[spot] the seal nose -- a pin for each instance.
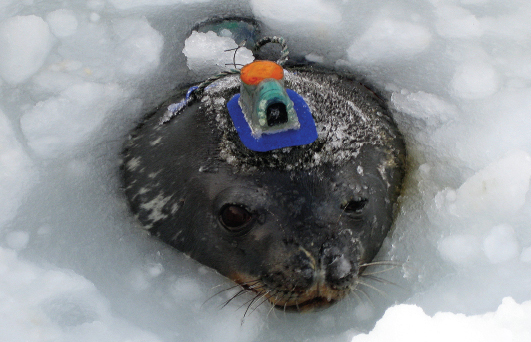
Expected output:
(340, 271)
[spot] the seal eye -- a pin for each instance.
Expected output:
(234, 217)
(355, 206)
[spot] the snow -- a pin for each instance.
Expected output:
(76, 77)
(304, 11)
(51, 133)
(501, 245)
(63, 23)
(387, 40)
(475, 80)
(499, 189)
(140, 46)
(47, 304)
(409, 323)
(25, 41)
(17, 174)
(17, 240)
(207, 54)
(128, 4)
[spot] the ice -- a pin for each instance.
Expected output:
(475, 80)
(96, 5)
(94, 17)
(63, 23)
(208, 54)
(40, 304)
(17, 174)
(298, 11)
(497, 190)
(76, 77)
(409, 323)
(387, 40)
(51, 133)
(456, 22)
(17, 240)
(526, 255)
(140, 46)
(312, 57)
(460, 249)
(128, 4)
(26, 42)
(425, 106)
(501, 245)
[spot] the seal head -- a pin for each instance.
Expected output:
(296, 225)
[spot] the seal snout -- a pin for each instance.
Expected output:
(302, 280)
(296, 273)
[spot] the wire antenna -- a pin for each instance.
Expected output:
(195, 93)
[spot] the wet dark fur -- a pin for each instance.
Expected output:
(320, 212)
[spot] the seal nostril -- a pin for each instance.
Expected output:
(340, 271)
(339, 268)
(307, 273)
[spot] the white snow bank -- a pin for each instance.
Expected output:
(63, 23)
(26, 42)
(50, 133)
(129, 4)
(425, 106)
(501, 245)
(139, 46)
(17, 174)
(48, 304)
(498, 190)
(475, 80)
(456, 22)
(409, 323)
(307, 12)
(388, 40)
(207, 55)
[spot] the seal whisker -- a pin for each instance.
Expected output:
(236, 295)
(256, 285)
(221, 291)
(272, 307)
(380, 280)
(383, 293)
(245, 287)
(367, 296)
(213, 287)
(217, 293)
(257, 297)
(378, 272)
(356, 295)
(383, 262)
(249, 301)
(262, 302)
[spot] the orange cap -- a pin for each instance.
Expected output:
(257, 71)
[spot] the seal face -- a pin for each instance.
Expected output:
(297, 225)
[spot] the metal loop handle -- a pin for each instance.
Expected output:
(284, 52)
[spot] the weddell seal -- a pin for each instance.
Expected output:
(296, 222)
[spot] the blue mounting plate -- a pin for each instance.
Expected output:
(306, 134)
